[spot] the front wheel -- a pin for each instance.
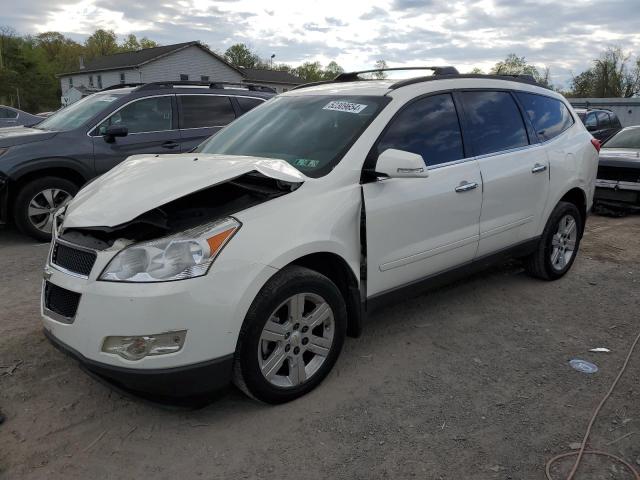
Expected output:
(291, 336)
(558, 245)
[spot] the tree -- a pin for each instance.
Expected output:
(146, 43)
(514, 65)
(332, 70)
(240, 55)
(131, 44)
(610, 76)
(310, 72)
(101, 43)
(476, 71)
(381, 64)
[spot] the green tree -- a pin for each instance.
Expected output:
(240, 55)
(514, 65)
(101, 43)
(332, 70)
(610, 76)
(130, 44)
(380, 64)
(310, 72)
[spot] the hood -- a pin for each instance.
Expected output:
(10, 136)
(142, 183)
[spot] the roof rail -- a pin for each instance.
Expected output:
(121, 85)
(528, 79)
(354, 76)
(187, 83)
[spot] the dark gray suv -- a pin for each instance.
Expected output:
(42, 168)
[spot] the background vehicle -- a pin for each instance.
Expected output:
(602, 124)
(290, 225)
(12, 117)
(43, 167)
(618, 183)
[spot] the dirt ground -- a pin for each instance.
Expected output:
(467, 382)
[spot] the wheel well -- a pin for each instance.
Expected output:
(579, 199)
(337, 270)
(66, 173)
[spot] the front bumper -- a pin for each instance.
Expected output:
(617, 192)
(159, 385)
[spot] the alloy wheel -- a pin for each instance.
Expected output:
(43, 206)
(296, 340)
(563, 242)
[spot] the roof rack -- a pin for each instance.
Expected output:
(121, 85)
(514, 78)
(249, 86)
(187, 83)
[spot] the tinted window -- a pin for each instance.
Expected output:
(495, 122)
(627, 138)
(6, 113)
(591, 120)
(147, 115)
(247, 104)
(78, 113)
(205, 111)
(312, 132)
(614, 120)
(428, 127)
(603, 119)
(549, 117)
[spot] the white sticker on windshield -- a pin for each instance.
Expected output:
(105, 98)
(340, 106)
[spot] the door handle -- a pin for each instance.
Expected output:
(466, 186)
(537, 168)
(170, 145)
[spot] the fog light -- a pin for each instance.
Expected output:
(138, 347)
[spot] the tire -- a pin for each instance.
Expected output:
(32, 194)
(549, 261)
(278, 349)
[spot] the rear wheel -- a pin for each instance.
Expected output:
(291, 337)
(558, 245)
(36, 203)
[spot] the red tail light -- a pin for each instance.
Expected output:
(596, 144)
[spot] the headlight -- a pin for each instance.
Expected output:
(183, 255)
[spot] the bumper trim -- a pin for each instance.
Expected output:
(158, 385)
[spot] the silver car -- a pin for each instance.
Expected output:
(12, 117)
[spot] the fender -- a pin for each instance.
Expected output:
(25, 168)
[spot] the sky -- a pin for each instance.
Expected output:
(564, 35)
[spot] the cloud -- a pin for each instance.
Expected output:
(564, 35)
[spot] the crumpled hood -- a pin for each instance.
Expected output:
(144, 182)
(10, 136)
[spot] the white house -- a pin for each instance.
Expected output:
(183, 61)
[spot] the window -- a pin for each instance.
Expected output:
(310, 132)
(91, 80)
(80, 112)
(549, 117)
(70, 82)
(591, 120)
(197, 111)
(100, 82)
(7, 113)
(603, 119)
(122, 78)
(495, 123)
(627, 138)
(428, 127)
(204, 78)
(183, 77)
(147, 115)
(247, 104)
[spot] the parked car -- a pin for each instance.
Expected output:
(602, 124)
(252, 257)
(12, 117)
(42, 168)
(618, 183)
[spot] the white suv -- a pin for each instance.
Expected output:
(251, 258)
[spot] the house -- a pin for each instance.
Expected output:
(182, 61)
(626, 109)
(280, 81)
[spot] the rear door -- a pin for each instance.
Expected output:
(152, 126)
(417, 227)
(515, 171)
(202, 115)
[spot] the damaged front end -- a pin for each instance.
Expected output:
(618, 185)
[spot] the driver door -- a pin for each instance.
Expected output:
(417, 227)
(152, 126)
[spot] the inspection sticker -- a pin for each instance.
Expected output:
(340, 106)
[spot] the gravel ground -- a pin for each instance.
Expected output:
(470, 381)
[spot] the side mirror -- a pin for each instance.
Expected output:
(113, 131)
(394, 163)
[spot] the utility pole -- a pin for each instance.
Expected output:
(18, 92)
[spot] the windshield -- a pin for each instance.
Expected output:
(76, 114)
(625, 139)
(312, 132)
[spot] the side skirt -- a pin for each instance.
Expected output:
(447, 276)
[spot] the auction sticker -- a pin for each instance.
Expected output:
(340, 106)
